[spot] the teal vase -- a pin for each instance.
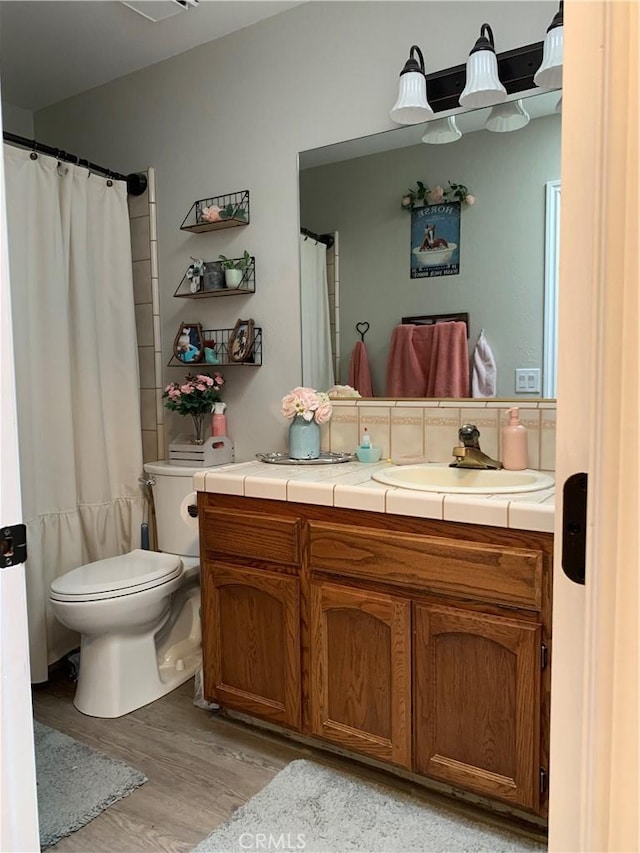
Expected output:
(304, 439)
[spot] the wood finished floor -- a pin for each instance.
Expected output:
(200, 767)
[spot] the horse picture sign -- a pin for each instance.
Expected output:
(435, 240)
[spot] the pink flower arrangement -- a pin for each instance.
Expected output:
(422, 194)
(211, 214)
(311, 404)
(195, 396)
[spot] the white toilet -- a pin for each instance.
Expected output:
(138, 614)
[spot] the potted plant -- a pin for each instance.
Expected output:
(235, 268)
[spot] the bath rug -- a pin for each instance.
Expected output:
(315, 809)
(75, 783)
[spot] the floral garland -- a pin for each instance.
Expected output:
(423, 194)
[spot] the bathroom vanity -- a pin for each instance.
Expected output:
(361, 616)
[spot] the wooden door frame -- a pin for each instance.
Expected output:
(594, 778)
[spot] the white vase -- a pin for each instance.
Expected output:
(232, 277)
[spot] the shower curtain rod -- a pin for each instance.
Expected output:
(136, 181)
(327, 239)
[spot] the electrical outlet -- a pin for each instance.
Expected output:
(527, 380)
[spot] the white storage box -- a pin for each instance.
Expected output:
(216, 450)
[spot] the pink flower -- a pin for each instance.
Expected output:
(308, 403)
(195, 396)
(470, 199)
(405, 201)
(436, 195)
(323, 412)
(211, 214)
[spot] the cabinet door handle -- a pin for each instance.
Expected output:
(574, 527)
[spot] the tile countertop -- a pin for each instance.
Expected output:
(349, 485)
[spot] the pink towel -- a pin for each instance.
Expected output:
(428, 361)
(405, 377)
(359, 373)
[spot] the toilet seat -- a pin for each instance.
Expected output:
(117, 576)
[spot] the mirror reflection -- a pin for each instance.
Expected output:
(354, 191)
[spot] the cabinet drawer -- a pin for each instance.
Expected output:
(474, 570)
(253, 536)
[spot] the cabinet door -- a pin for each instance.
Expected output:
(251, 641)
(477, 702)
(360, 671)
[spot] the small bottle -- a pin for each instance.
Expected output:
(219, 419)
(515, 449)
(366, 438)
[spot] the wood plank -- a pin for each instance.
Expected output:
(452, 566)
(269, 538)
(201, 768)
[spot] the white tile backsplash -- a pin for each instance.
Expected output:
(395, 424)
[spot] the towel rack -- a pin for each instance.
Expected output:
(362, 329)
(430, 319)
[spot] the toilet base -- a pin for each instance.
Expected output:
(121, 673)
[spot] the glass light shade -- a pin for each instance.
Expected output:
(483, 86)
(412, 106)
(549, 75)
(441, 131)
(506, 117)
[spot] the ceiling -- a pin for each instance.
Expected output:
(52, 50)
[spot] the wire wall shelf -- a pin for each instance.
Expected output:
(213, 282)
(232, 210)
(222, 339)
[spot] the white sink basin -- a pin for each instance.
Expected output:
(439, 477)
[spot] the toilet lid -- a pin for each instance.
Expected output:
(115, 576)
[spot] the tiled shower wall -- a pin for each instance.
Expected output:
(333, 288)
(428, 430)
(144, 248)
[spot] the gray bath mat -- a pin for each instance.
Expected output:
(75, 783)
(315, 809)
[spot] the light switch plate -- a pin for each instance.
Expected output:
(527, 380)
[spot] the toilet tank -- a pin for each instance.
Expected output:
(172, 495)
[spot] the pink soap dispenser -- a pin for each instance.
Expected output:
(219, 419)
(515, 448)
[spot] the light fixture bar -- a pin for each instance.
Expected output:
(515, 67)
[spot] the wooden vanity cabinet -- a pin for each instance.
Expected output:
(251, 613)
(477, 702)
(421, 644)
(360, 651)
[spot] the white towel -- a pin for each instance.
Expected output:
(483, 371)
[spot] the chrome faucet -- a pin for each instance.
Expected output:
(468, 453)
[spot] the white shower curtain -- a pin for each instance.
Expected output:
(317, 361)
(76, 377)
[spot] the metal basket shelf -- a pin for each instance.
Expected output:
(234, 211)
(221, 337)
(247, 282)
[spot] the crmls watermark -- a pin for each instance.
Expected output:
(285, 841)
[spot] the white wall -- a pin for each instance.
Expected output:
(501, 278)
(17, 120)
(232, 115)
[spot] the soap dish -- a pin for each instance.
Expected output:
(368, 454)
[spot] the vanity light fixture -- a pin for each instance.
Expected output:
(412, 106)
(442, 130)
(483, 87)
(506, 117)
(549, 74)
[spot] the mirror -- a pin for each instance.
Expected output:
(354, 189)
